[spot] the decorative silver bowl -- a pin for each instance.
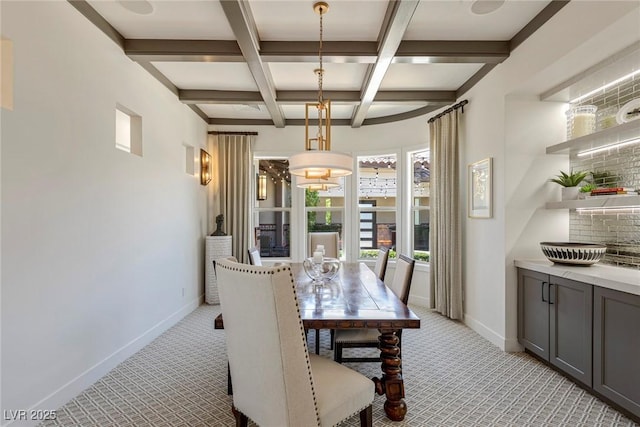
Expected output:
(321, 272)
(573, 253)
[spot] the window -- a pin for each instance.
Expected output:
(128, 131)
(389, 209)
(324, 211)
(272, 218)
(377, 186)
(420, 204)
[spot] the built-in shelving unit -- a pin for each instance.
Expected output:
(612, 135)
(619, 73)
(599, 202)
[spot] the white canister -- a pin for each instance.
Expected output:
(581, 121)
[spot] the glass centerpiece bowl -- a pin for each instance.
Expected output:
(321, 271)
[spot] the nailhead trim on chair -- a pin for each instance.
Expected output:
(271, 270)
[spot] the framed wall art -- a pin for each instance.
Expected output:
(479, 189)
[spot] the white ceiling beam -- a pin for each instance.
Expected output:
(241, 21)
(399, 15)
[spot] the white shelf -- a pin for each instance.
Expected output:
(597, 203)
(612, 68)
(598, 139)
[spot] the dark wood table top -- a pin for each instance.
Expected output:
(356, 298)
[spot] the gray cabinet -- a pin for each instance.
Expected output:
(533, 312)
(555, 321)
(616, 355)
(570, 339)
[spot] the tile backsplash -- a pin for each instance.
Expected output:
(619, 229)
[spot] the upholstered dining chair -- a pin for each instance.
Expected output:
(276, 382)
(330, 240)
(381, 263)
(254, 256)
(351, 338)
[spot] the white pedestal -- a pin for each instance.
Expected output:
(216, 247)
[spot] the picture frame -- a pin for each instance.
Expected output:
(480, 197)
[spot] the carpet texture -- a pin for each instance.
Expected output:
(453, 377)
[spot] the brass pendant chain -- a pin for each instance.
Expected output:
(321, 71)
(321, 141)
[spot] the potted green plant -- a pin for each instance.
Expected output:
(586, 189)
(569, 182)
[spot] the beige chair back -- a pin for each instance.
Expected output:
(254, 256)
(381, 263)
(401, 284)
(330, 240)
(264, 335)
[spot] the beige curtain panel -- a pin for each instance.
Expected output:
(234, 155)
(445, 238)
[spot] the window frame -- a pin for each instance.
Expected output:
(357, 209)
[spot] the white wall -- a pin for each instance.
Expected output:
(506, 122)
(98, 245)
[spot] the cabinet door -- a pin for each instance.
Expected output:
(570, 337)
(533, 312)
(616, 347)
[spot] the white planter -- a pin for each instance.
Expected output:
(570, 193)
(216, 247)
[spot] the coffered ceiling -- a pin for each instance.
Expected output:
(251, 62)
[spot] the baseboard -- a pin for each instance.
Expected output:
(74, 387)
(419, 301)
(489, 334)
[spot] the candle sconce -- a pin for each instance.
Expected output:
(205, 167)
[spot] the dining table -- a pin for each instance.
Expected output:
(357, 298)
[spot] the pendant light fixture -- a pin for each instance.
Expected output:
(318, 165)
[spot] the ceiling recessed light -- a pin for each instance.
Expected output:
(140, 7)
(483, 7)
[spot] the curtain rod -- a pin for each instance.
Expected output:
(215, 132)
(460, 104)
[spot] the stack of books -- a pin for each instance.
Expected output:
(613, 191)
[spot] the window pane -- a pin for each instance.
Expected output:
(421, 178)
(420, 200)
(377, 230)
(325, 211)
(377, 180)
(272, 234)
(331, 197)
(278, 188)
(377, 189)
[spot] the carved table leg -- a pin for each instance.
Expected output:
(391, 384)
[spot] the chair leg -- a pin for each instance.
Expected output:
(333, 337)
(366, 417)
(317, 341)
(337, 352)
(242, 420)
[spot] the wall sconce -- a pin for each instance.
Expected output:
(261, 189)
(205, 167)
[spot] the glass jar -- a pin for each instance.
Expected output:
(606, 117)
(581, 121)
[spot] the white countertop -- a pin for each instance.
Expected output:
(603, 275)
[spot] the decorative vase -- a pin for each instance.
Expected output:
(570, 193)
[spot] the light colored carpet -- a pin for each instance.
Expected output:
(453, 377)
